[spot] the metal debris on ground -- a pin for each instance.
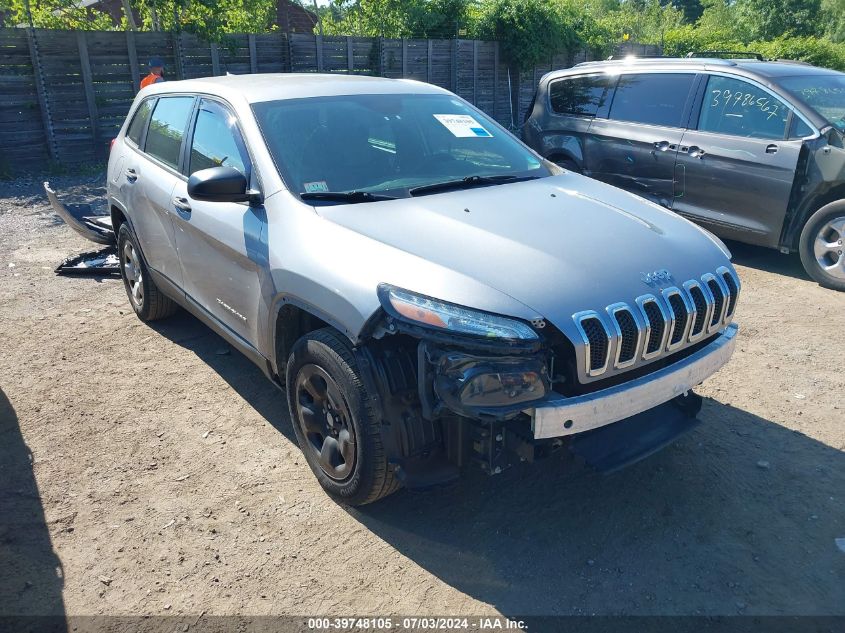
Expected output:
(92, 226)
(102, 263)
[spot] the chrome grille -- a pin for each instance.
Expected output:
(597, 340)
(732, 288)
(701, 309)
(680, 317)
(622, 336)
(656, 325)
(627, 334)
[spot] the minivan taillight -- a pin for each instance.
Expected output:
(111, 145)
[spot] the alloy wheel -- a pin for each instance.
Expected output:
(829, 248)
(133, 275)
(324, 419)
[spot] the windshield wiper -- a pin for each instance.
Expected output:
(351, 197)
(469, 181)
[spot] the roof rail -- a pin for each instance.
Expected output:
(728, 55)
(615, 58)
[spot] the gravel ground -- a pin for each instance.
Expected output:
(153, 470)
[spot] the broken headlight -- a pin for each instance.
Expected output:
(426, 311)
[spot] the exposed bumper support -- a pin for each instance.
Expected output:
(560, 416)
(96, 228)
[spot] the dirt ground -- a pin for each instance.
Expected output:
(153, 470)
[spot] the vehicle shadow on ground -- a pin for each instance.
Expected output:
(31, 578)
(739, 516)
(243, 376)
(767, 259)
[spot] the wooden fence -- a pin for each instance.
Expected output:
(65, 94)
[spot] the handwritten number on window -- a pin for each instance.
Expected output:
(747, 100)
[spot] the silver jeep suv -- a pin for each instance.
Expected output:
(430, 293)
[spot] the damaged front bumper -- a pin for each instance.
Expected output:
(559, 416)
(504, 411)
(96, 228)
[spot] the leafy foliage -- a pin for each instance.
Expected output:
(530, 31)
(396, 18)
(766, 19)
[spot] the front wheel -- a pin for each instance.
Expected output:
(337, 430)
(822, 246)
(568, 164)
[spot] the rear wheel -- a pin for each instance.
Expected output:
(331, 411)
(146, 299)
(822, 246)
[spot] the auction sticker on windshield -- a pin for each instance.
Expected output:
(319, 185)
(462, 125)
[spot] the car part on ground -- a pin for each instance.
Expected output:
(433, 295)
(102, 263)
(78, 217)
(749, 148)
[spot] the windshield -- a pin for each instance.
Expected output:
(387, 144)
(823, 93)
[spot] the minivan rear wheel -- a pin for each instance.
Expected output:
(335, 425)
(822, 246)
(148, 302)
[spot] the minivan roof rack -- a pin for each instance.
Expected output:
(728, 55)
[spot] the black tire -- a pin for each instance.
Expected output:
(822, 221)
(355, 468)
(567, 163)
(148, 302)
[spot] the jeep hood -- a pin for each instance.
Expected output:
(558, 245)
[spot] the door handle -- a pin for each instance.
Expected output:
(772, 149)
(662, 145)
(696, 152)
(182, 204)
(131, 175)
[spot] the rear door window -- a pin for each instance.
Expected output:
(217, 141)
(738, 108)
(139, 121)
(652, 98)
(167, 128)
(582, 96)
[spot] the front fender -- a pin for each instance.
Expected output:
(567, 145)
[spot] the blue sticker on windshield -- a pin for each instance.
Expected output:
(480, 131)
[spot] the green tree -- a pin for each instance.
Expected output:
(54, 14)
(768, 19)
(396, 18)
(833, 16)
(646, 23)
(691, 9)
(530, 30)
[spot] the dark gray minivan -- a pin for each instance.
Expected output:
(752, 150)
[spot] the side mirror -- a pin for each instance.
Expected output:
(220, 184)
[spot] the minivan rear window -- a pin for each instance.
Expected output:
(579, 95)
(652, 98)
(167, 127)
